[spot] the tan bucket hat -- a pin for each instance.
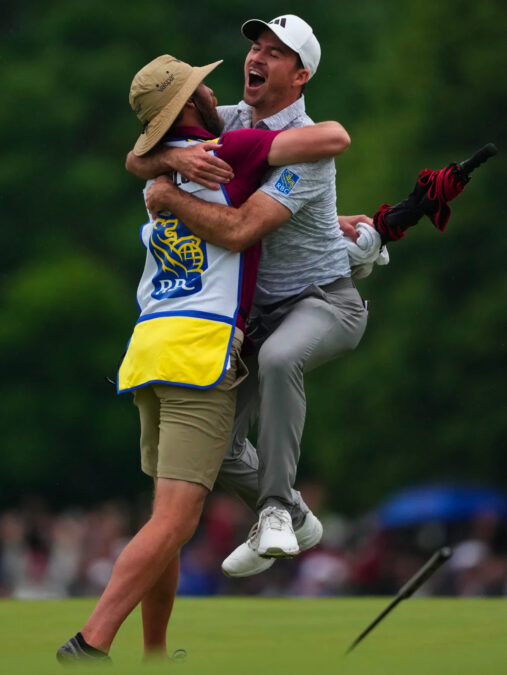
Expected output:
(158, 93)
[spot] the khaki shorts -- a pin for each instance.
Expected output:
(185, 431)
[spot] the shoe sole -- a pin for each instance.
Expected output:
(67, 659)
(306, 546)
(275, 552)
(248, 573)
(310, 541)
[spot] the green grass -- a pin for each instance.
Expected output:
(293, 636)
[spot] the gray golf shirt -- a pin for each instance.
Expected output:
(309, 248)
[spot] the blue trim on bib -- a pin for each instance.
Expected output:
(242, 258)
(222, 187)
(241, 261)
(118, 372)
(240, 286)
(189, 138)
(192, 313)
(224, 192)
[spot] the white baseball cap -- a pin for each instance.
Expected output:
(293, 32)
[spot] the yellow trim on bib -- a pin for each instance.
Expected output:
(182, 350)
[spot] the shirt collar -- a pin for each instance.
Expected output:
(195, 132)
(275, 122)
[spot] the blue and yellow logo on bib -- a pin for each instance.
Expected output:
(285, 184)
(181, 259)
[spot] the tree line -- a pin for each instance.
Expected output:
(422, 398)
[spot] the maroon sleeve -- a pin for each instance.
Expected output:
(246, 150)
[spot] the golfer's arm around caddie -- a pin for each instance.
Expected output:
(307, 309)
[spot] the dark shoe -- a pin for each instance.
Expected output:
(77, 650)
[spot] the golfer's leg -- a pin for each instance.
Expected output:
(239, 471)
(314, 332)
(157, 605)
(176, 512)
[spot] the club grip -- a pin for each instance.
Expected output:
(425, 572)
(468, 165)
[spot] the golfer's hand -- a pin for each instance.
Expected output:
(348, 224)
(158, 195)
(199, 164)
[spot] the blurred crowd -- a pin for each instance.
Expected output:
(71, 553)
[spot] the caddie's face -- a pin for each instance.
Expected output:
(272, 77)
(206, 103)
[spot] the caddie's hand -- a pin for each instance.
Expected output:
(199, 164)
(158, 195)
(348, 224)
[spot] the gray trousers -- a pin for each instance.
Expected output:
(294, 336)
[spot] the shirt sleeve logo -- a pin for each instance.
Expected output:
(287, 181)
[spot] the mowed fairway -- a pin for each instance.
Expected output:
(283, 636)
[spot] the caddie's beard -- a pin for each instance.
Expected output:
(209, 115)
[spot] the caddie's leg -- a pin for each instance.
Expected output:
(156, 608)
(177, 509)
(315, 331)
(157, 605)
(187, 441)
(194, 430)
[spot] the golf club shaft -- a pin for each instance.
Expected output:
(372, 625)
(436, 560)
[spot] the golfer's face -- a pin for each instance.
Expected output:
(270, 67)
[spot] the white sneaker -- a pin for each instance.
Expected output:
(310, 532)
(276, 535)
(245, 560)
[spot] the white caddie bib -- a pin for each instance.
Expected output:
(189, 296)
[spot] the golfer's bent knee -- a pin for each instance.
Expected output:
(277, 363)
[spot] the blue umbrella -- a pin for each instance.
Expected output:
(448, 503)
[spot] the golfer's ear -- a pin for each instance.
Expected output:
(301, 77)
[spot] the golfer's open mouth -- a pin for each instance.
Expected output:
(255, 79)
